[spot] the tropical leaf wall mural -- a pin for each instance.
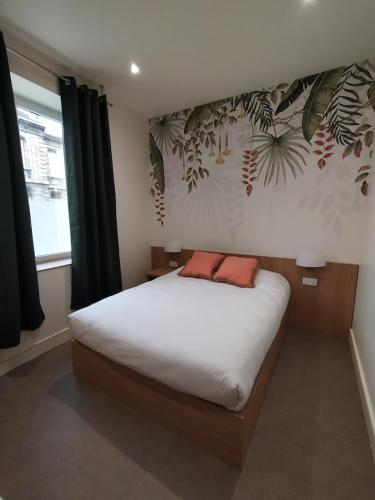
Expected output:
(311, 123)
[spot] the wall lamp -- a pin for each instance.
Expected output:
(173, 247)
(310, 261)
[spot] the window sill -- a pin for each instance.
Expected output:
(44, 266)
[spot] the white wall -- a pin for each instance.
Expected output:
(321, 210)
(54, 288)
(129, 137)
(364, 316)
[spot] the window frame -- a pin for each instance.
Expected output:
(52, 257)
(53, 114)
(37, 108)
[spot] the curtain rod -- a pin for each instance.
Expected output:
(48, 70)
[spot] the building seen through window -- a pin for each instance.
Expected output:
(43, 158)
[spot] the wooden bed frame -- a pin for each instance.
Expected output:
(225, 433)
(327, 309)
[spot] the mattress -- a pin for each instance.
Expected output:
(203, 338)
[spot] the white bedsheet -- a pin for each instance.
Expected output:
(203, 338)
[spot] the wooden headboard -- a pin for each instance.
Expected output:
(327, 308)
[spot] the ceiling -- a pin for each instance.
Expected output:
(194, 51)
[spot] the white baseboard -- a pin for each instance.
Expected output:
(368, 409)
(30, 352)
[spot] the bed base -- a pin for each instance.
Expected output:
(225, 433)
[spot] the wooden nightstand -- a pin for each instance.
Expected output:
(156, 273)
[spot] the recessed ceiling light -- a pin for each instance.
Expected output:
(309, 1)
(134, 68)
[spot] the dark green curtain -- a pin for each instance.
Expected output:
(20, 307)
(96, 270)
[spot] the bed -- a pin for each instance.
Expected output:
(190, 353)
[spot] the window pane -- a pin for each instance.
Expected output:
(43, 159)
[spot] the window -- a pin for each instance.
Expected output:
(41, 135)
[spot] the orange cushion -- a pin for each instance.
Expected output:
(202, 265)
(239, 271)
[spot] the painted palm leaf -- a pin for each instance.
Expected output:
(157, 163)
(371, 95)
(318, 101)
(257, 107)
(200, 114)
(294, 91)
(278, 155)
(165, 129)
(344, 109)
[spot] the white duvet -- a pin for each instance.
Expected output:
(203, 338)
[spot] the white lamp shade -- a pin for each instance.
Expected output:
(310, 259)
(172, 246)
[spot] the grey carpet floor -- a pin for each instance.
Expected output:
(63, 439)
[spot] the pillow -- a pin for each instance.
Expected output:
(238, 271)
(202, 265)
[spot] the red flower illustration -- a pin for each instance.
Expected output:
(324, 141)
(159, 207)
(249, 169)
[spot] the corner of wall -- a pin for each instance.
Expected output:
(129, 137)
(29, 352)
(367, 404)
